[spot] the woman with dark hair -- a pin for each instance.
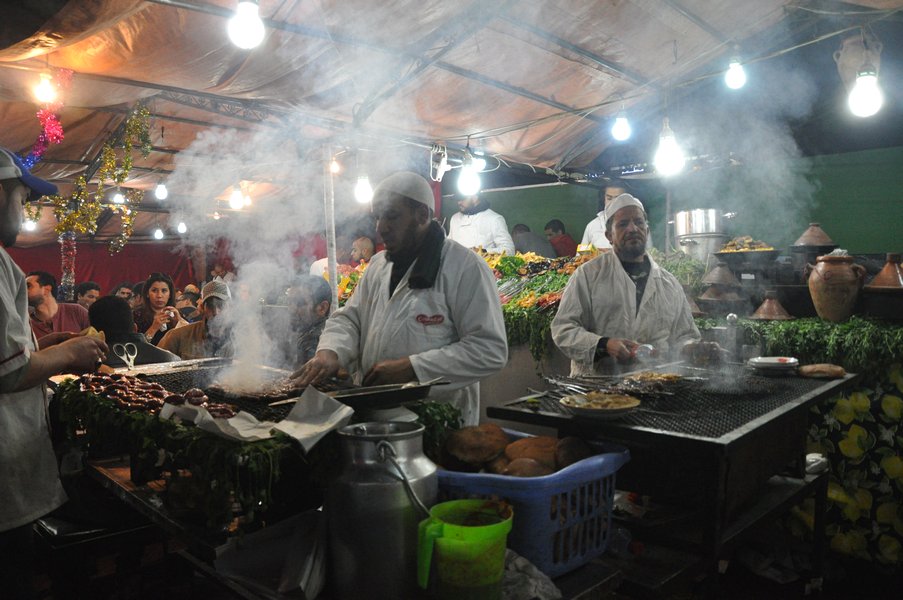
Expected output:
(157, 313)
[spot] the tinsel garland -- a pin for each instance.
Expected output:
(65, 292)
(51, 128)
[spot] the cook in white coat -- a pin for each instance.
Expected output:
(478, 225)
(426, 307)
(620, 300)
(595, 230)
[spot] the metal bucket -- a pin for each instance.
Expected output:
(701, 246)
(372, 510)
(697, 221)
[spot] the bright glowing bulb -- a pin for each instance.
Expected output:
(334, 167)
(158, 234)
(363, 191)
(669, 158)
(181, 227)
(865, 98)
(469, 181)
(160, 192)
(29, 225)
(118, 198)
(45, 91)
(216, 215)
(735, 77)
(621, 129)
(246, 29)
(237, 199)
(479, 164)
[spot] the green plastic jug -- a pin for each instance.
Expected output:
(467, 540)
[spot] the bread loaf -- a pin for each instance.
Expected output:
(822, 370)
(540, 448)
(527, 467)
(476, 445)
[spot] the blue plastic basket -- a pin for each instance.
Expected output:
(562, 520)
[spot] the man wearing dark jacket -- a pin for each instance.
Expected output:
(113, 316)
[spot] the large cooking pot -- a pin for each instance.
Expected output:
(697, 221)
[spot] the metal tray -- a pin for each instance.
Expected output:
(384, 396)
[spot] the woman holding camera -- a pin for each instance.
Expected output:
(157, 313)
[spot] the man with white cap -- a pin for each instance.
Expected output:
(208, 337)
(31, 485)
(425, 308)
(475, 225)
(621, 299)
(595, 230)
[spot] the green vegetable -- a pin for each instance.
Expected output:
(438, 419)
(508, 265)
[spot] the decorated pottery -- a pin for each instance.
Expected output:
(834, 284)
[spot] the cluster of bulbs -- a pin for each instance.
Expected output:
(238, 199)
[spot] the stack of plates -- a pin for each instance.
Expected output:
(777, 365)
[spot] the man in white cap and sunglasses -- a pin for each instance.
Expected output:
(425, 308)
(621, 300)
(31, 485)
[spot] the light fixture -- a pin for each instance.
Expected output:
(735, 76)
(216, 215)
(621, 129)
(865, 98)
(45, 91)
(29, 225)
(181, 227)
(160, 192)
(479, 163)
(669, 158)
(158, 234)
(469, 178)
(363, 191)
(118, 198)
(248, 200)
(334, 167)
(439, 162)
(246, 29)
(237, 198)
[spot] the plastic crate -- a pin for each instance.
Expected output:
(562, 520)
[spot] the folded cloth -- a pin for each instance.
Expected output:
(314, 415)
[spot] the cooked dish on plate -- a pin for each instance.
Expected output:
(601, 401)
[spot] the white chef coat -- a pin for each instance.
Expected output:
(30, 485)
(453, 330)
(595, 232)
(486, 228)
(600, 301)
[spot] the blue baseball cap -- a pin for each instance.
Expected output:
(12, 167)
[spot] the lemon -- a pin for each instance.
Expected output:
(851, 512)
(889, 548)
(895, 373)
(852, 445)
(892, 406)
(860, 401)
(863, 499)
(837, 494)
(893, 466)
(886, 513)
(843, 411)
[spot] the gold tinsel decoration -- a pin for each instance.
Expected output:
(79, 212)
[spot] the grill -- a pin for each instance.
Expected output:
(708, 409)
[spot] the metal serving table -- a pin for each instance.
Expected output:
(716, 448)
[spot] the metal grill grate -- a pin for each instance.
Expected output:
(707, 409)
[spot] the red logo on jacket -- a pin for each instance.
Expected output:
(430, 320)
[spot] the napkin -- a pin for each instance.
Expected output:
(314, 415)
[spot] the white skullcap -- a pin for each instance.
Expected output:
(407, 184)
(620, 202)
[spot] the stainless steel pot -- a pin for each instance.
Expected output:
(701, 246)
(697, 221)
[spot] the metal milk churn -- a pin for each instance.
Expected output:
(373, 507)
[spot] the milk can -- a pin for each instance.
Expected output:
(373, 508)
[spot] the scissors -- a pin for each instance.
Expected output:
(127, 352)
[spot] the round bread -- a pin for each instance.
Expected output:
(527, 467)
(476, 445)
(540, 448)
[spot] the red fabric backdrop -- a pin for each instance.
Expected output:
(93, 262)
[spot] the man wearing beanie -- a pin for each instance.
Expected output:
(621, 299)
(425, 308)
(31, 485)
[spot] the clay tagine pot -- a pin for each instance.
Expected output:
(720, 274)
(771, 309)
(720, 292)
(808, 247)
(890, 277)
(814, 236)
(834, 284)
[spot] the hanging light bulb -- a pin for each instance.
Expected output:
(669, 158)
(246, 29)
(160, 192)
(479, 163)
(118, 198)
(621, 129)
(248, 200)
(45, 91)
(216, 215)
(469, 178)
(158, 234)
(735, 76)
(181, 227)
(865, 98)
(334, 167)
(29, 225)
(236, 199)
(363, 191)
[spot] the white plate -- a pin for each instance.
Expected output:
(581, 406)
(780, 363)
